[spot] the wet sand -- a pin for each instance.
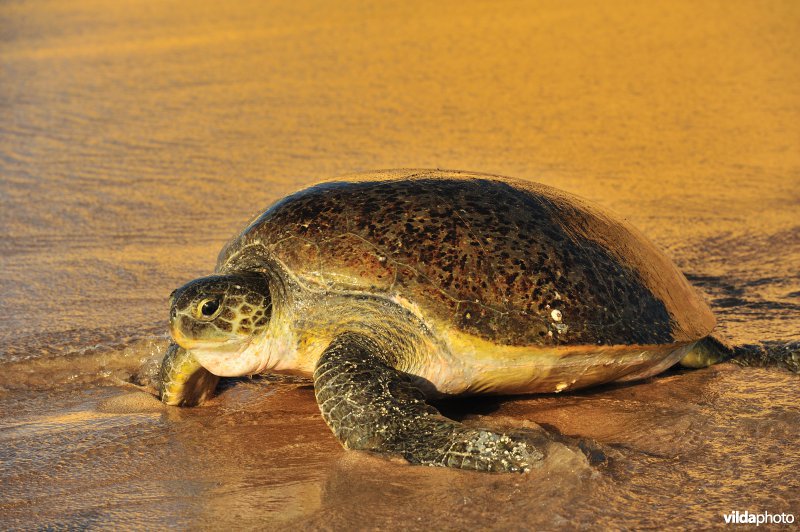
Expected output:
(134, 141)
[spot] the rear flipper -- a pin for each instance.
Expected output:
(182, 380)
(711, 350)
(372, 406)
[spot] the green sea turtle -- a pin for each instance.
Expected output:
(394, 288)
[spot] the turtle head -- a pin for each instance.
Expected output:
(221, 319)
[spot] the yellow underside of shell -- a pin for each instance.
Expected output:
(471, 365)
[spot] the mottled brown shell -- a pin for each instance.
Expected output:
(514, 262)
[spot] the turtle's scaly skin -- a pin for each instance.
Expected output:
(395, 287)
(396, 419)
(183, 381)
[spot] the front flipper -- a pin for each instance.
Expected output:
(370, 405)
(183, 381)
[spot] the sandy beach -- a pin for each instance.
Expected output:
(136, 139)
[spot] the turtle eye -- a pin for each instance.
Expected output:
(207, 308)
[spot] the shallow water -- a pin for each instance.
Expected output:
(134, 141)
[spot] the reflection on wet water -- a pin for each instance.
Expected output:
(135, 141)
(688, 445)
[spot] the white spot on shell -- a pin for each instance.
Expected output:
(561, 386)
(556, 315)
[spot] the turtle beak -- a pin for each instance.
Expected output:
(176, 334)
(172, 304)
(173, 314)
(174, 330)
